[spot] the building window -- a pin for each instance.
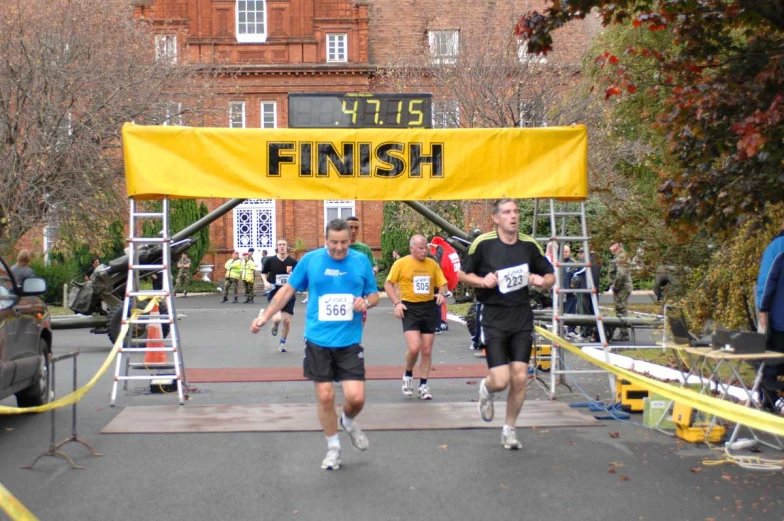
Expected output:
(336, 48)
(254, 226)
(236, 114)
(166, 47)
(334, 209)
(269, 114)
(446, 114)
(443, 46)
(532, 113)
(170, 114)
(251, 21)
(525, 57)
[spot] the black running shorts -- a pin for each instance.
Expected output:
(424, 317)
(324, 364)
(289, 307)
(507, 334)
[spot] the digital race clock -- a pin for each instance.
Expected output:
(360, 110)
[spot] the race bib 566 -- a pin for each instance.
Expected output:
(336, 307)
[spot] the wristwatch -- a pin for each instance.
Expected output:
(367, 304)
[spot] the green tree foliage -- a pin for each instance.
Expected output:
(724, 290)
(401, 222)
(182, 213)
(721, 85)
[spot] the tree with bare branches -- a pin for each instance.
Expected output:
(71, 73)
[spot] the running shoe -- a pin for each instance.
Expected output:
(485, 405)
(358, 438)
(408, 385)
(424, 393)
(332, 461)
(274, 328)
(282, 346)
(509, 439)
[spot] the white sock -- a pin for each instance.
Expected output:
(508, 428)
(347, 422)
(333, 441)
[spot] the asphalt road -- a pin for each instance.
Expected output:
(620, 471)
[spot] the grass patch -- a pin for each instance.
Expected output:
(669, 358)
(458, 309)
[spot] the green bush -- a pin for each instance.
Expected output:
(381, 278)
(56, 274)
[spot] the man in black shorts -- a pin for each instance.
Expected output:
(417, 276)
(275, 273)
(341, 286)
(501, 265)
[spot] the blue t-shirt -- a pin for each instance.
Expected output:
(326, 279)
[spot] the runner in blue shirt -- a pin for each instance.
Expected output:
(341, 286)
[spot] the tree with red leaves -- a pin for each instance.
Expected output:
(721, 85)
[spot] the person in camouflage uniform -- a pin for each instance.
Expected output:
(233, 267)
(621, 284)
(248, 275)
(183, 275)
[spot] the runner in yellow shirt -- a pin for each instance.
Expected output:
(416, 276)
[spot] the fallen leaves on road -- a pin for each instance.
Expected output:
(624, 478)
(615, 434)
(443, 447)
(696, 469)
(471, 382)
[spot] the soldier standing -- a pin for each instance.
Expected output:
(233, 267)
(183, 275)
(248, 274)
(621, 284)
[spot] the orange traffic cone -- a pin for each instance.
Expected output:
(155, 339)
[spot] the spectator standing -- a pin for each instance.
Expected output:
(183, 275)
(233, 269)
(621, 285)
(22, 270)
(95, 263)
(770, 302)
(248, 276)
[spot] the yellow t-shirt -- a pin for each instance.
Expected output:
(416, 279)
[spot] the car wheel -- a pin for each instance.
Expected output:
(115, 323)
(38, 393)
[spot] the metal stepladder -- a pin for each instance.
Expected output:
(562, 217)
(136, 299)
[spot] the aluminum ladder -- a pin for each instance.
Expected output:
(561, 215)
(136, 298)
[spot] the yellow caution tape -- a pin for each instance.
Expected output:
(75, 396)
(746, 416)
(13, 507)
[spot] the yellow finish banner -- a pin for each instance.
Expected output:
(360, 164)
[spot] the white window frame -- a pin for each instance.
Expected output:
(530, 110)
(444, 46)
(255, 221)
(171, 114)
(446, 114)
(166, 48)
(525, 57)
(236, 114)
(337, 47)
(268, 108)
(343, 209)
(245, 10)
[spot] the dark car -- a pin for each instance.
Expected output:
(25, 340)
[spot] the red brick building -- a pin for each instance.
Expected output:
(273, 48)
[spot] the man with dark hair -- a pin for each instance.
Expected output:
(770, 302)
(353, 226)
(341, 285)
(275, 273)
(502, 265)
